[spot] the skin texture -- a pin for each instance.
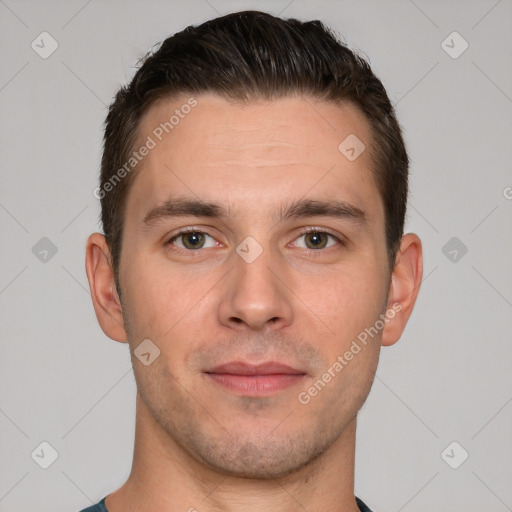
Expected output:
(198, 445)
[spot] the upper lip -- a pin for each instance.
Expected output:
(268, 368)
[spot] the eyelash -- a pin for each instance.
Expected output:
(306, 231)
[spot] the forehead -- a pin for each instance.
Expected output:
(257, 151)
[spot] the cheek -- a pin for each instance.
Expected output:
(154, 295)
(162, 297)
(350, 301)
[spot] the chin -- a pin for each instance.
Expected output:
(262, 459)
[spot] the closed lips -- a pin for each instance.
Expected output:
(269, 368)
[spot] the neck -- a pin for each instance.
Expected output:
(166, 478)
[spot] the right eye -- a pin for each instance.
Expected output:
(191, 239)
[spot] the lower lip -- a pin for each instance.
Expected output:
(255, 385)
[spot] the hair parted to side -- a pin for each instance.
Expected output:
(246, 56)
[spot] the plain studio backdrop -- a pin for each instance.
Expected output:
(434, 433)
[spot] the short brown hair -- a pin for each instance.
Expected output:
(254, 55)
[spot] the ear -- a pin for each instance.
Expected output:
(404, 287)
(105, 298)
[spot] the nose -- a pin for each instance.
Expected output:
(255, 296)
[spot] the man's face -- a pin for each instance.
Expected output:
(210, 297)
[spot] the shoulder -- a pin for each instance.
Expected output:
(362, 506)
(99, 507)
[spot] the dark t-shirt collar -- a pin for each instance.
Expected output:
(101, 507)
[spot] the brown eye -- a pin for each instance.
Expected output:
(191, 240)
(316, 239)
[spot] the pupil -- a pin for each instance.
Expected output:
(315, 239)
(193, 238)
(316, 236)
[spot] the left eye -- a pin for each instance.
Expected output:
(316, 239)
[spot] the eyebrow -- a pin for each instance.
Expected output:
(184, 207)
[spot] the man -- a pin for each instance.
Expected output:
(253, 193)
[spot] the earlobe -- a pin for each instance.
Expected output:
(105, 298)
(404, 287)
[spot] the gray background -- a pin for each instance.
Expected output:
(448, 379)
